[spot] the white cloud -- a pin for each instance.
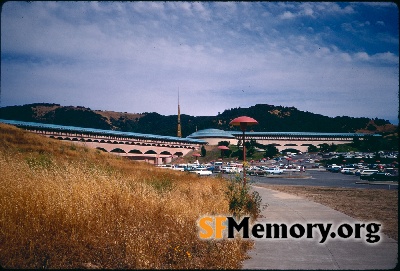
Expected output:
(331, 7)
(134, 56)
(387, 57)
(287, 15)
(362, 56)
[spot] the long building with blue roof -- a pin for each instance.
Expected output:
(281, 140)
(92, 131)
(152, 148)
(169, 146)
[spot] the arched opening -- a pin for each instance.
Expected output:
(179, 154)
(118, 150)
(135, 151)
(166, 153)
(150, 152)
(292, 150)
(101, 149)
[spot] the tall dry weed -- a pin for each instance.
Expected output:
(64, 208)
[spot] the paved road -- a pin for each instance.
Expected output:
(320, 178)
(309, 253)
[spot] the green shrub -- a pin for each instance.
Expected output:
(42, 161)
(241, 201)
(162, 185)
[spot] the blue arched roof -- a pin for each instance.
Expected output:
(207, 133)
(54, 127)
(303, 134)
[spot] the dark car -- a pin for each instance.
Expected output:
(335, 169)
(256, 172)
(211, 168)
(380, 176)
(217, 169)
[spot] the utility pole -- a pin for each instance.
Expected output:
(179, 132)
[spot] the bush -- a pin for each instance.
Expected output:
(241, 201)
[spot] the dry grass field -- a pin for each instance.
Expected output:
(364, 204)
(66, 206)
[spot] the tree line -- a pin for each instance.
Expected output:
(270, 118)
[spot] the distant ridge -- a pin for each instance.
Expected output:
(271, 118)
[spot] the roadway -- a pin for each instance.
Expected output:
(317, 178)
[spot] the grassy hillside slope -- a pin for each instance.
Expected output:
(65, 206)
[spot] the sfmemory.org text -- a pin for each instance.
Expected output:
(218, 227)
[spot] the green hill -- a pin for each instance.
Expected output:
(270, 118)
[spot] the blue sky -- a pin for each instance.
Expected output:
(334, 59)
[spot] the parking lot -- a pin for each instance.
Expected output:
(318, 178)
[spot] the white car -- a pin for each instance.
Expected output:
(227, 169)
(231, 169)
(178, 168)
(274, 170)
(202, 172)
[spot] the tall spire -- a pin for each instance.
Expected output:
(179, 132)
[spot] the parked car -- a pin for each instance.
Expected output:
(274, 170)
(202, 171)
(334, 168)
(230, 170)
(367, 172)
(379, 176)
(256, 171)
(211, 168)
(178, 167)
(347, 170)
(217, 169)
